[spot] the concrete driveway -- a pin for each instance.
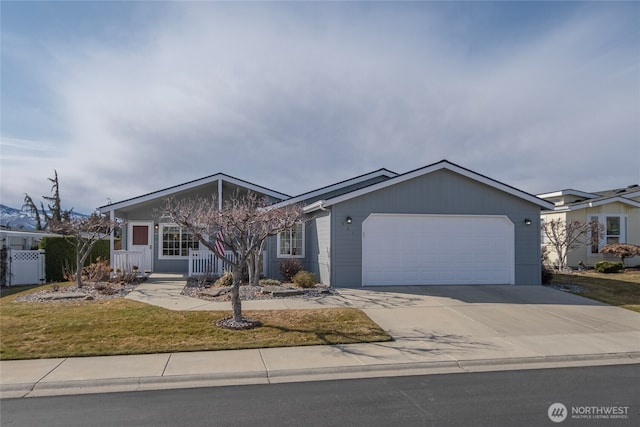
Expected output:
(498, 322)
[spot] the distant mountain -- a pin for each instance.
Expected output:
(19, 219)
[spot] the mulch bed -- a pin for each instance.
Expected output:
(207, 291)
(89, 291)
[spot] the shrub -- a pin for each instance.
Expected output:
(60, 255)
(608, 267)
(289, 268)
(547, 275)
(305, 279)
(128, 278)
(269, 282)
(225, 280)
(99, 271)
(621, 250)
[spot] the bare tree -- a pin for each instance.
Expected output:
(622, 250)
(30, 205)
(566, 236)
(54, 206)
(83, 234)
(242, 225)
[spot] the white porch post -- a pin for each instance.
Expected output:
(219, 194)
(112, 217)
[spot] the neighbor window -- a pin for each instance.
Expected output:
(176, 241)
(613, 231)
(291, 242)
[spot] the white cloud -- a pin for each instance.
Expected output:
(294, 97)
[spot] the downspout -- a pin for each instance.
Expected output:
(219, 194)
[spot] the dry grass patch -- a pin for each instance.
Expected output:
(121, 326)
(620, 289)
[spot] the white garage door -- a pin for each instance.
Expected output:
(437, 250)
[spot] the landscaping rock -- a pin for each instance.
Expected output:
(59, 296)
(247, 292)
(214, 292)
(287, 293)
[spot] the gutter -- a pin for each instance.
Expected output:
(316, 206)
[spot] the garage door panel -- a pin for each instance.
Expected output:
(437, 249)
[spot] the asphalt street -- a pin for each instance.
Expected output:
(505, 398)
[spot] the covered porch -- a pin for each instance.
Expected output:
(151, 243)
(200, 262)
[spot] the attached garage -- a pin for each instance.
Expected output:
(406, 249)
(438, 225)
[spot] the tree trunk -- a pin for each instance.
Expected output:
(256, 269)
(250, 268)
(236, 304)
(253, 267)
(78, 270)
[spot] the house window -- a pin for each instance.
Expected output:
(613, 231)
(176, 241)
(291, 242)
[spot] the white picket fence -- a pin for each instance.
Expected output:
(206, 263)
(124, 261)
(25, 267)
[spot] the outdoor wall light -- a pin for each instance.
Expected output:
(349, 220)
(527, 221)
(156, 226)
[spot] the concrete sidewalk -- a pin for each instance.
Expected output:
(441, 329)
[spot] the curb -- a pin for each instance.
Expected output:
(21, 390)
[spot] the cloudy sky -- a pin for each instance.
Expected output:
(125, 98)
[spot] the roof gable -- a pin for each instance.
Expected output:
(332, 188)
(597, 202)
(188, 186)
(597, 198)
(567, 192)
(443, 164)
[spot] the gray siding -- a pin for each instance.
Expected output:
(440, 192)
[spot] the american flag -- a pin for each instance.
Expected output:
(219, 246)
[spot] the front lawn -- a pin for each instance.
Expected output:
(619, 289)
(120, 326)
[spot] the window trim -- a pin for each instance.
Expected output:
(161, 255)
(279, 239)
(602, 219)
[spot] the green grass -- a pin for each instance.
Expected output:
(120, 326)
(619, 289)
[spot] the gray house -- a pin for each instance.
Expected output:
(438, 225)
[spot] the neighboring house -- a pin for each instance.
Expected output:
(22, 240)
(617, 210)
(437, 225)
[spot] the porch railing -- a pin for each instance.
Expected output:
(126, 260)
(205, 262)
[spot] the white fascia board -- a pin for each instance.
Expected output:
(439, 166)
(588, 204)
(187, 186)
(567, 192)
(337, 186)
(631, 195)
(32, 233)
